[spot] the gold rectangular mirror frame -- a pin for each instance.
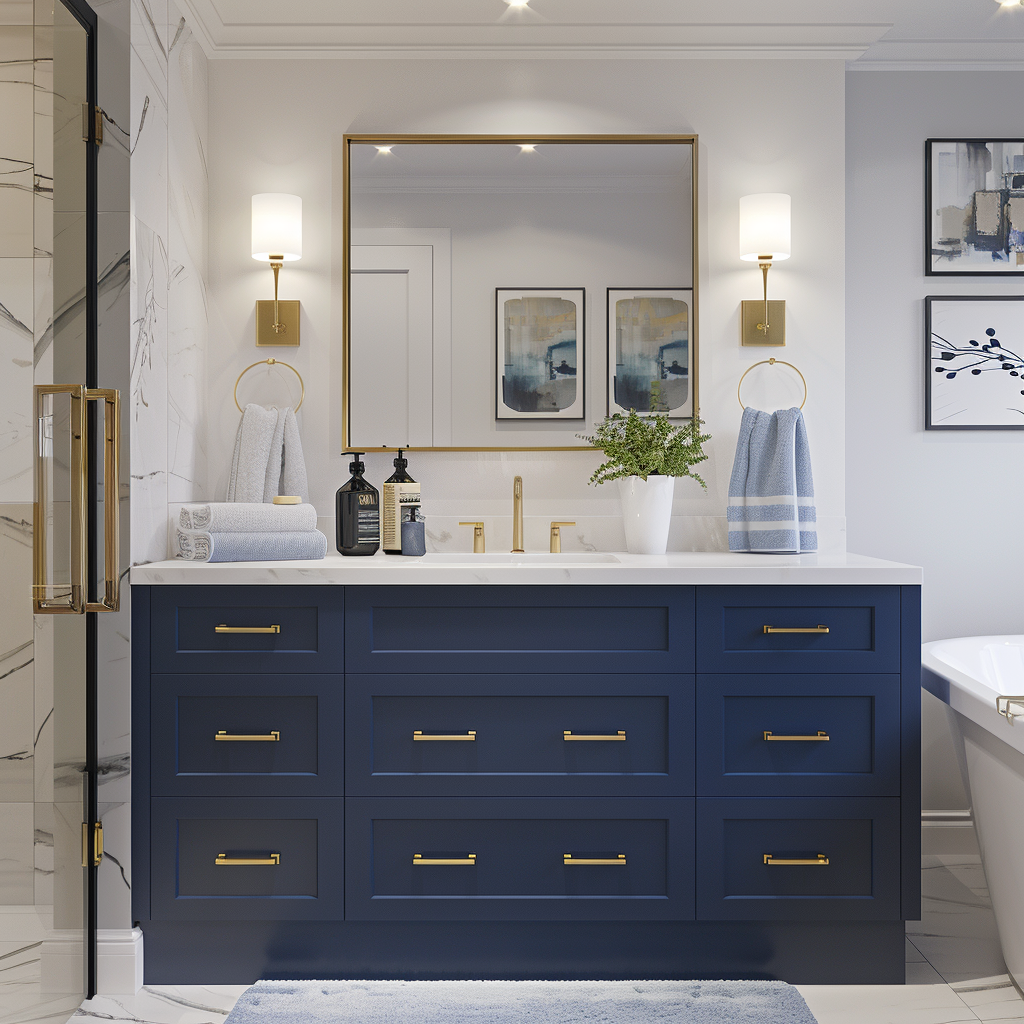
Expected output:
(387, 140)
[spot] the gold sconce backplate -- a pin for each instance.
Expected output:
(266, 335)
(753, 314)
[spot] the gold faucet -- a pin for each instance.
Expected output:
(517, 516)
(479, 547)
(556, 537)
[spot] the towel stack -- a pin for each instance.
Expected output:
(249, 532)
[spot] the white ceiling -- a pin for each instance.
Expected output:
(903, 32)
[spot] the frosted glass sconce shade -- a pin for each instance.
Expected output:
(277, 239)
(276, 227)
(765, 227)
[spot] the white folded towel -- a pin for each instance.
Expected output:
(203, 546)
(247, 517)
(267, 459)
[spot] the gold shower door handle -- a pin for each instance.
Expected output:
(225, 737)
(440, 737)
(419, 861)
(246, 629)
(571, 862)
(72, 596)
(618, 737)
(821, 861)
(111, 399)
(224, 861)
(796, 629)
(821, 737)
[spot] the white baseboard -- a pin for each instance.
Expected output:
(118, 961)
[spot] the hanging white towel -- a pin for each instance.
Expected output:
(771, 492)
(267, 459)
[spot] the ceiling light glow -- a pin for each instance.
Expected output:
(527, 147)
(518, 3)
(1010, 3)
(383, 149)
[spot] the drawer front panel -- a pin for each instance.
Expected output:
(218, 735)
(247, 859)
(782, 629)
(500, 734)
(508, 859)
(520, 629)
(798, 859)
(799, 735)
(247, 629)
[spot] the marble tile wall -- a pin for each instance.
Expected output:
(169, 189)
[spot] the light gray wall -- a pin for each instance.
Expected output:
(949, 501)
(273, 128)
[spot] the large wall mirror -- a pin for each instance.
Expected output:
(504, 292)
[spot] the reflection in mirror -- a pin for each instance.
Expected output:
(500, 296)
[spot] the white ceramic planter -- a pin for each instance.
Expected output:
(647, 513)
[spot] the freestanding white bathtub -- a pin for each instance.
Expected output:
(970, 674)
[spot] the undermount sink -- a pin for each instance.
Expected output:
(530, 558)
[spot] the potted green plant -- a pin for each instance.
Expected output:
(646, 454)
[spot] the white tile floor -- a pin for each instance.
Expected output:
(955, 973)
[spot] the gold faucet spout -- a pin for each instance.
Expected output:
(517, 516)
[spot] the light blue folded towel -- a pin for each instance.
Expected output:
(771, 493)
(203, 546)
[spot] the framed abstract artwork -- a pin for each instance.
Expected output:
(540, 364)
(974, 363)
(974, 192)
(650, 364)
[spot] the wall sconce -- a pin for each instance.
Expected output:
(276, 239)
(764, 239)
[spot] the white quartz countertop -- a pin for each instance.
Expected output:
(580, 568)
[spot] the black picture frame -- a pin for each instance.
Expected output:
(961, 363)
(502, 410)
(930, 255)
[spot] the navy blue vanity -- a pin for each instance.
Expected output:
(525, 781)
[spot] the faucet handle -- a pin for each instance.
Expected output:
(478, 537)
(556, 537)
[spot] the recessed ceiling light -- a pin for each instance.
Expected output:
(527, 147)
(518, 3)
(1010, 3)
(383, 149)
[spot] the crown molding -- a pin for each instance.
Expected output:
(935, 65)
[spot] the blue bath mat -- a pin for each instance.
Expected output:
(521, 1002)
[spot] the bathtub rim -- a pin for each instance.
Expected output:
(971, 697)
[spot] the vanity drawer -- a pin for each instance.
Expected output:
(298, 844)
(438, 735)
(798, 735)
(846, 852)
(511, 861)
(822, 629)
(223, 735)
(247, 629)
(519, 629)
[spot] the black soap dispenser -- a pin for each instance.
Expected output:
(357, 508)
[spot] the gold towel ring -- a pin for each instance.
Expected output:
(772, 362)
(271, 362)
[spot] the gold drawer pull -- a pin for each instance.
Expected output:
(796, 629)
(570, 861)
(619, 737)
(246, 629)
(822, 737)
(224, 737)
(419, 861)
(820, 861)
(224, 861)
(442, 737)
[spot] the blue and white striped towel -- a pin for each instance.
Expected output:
(771, 493)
